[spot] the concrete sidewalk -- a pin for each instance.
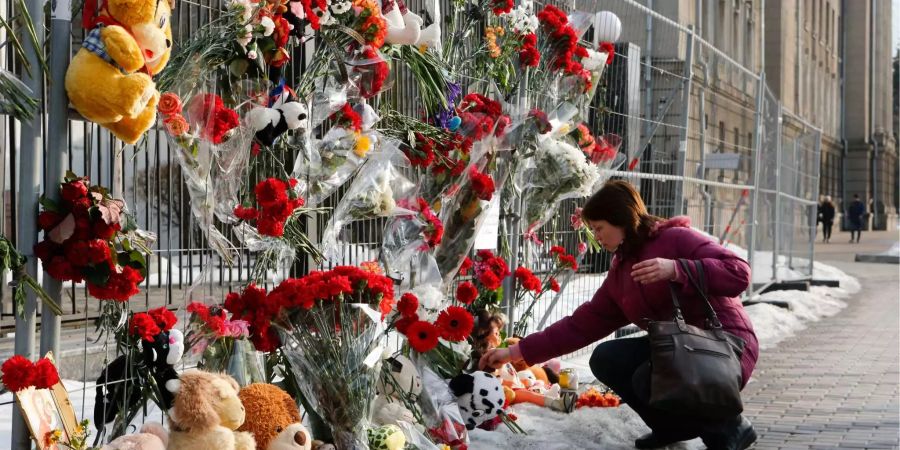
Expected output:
(835, 385)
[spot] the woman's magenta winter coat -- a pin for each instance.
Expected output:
(621, 300)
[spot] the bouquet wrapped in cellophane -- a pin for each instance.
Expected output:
(223, 343)
(331, 326)
(374, 193)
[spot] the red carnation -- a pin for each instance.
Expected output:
(245, 213)
(164, 318)
(610, 50)
(466, 292)
(143, 326)
(408, 304)
(556, 249)
(201, 310)
(105, 231)
(501, 7)
(404, 322)
(422, 336)
(271, 192)
(73, 190)
(554, 285)
(45, 250)
(18, 373)
(466, 265)
(455, 323)
(45, 375)
(482, 184)
(346, 117)
(568, 261)
(282, 31)
(48, 219)
(61, 269)
(490, 280)
(120, 286)
(528, 280)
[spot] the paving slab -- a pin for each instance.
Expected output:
(837, 383)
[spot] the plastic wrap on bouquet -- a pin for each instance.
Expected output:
(368, 71)
(408, 235)
(237, 358)
(462, 209)
(268, 248)
(558, 171)
(374, 193)
(335, 357)
(335, 157)
(212, 146)
(443, 420)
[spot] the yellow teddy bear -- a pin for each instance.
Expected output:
(109, 79)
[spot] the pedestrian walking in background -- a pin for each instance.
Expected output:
(826, 216)
(855, 214)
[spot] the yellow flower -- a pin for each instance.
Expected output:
(423, 48)
(564, 128)
(362, 145)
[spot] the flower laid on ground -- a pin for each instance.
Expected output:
(20, 373)
(87, 237)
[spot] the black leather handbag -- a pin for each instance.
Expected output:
(693, 370)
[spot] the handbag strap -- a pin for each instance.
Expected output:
(699, 283)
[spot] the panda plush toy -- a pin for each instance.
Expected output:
(480, 397)
(284, 114)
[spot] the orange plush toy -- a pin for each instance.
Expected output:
(273, 418)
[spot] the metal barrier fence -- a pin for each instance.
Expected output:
(703, 134)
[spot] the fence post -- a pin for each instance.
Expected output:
(31, 163)
(815, 196)
(686, 103)
(757, 163)
(778, 226)
(57, 150)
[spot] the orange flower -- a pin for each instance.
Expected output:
(169, 104)
(176, 125)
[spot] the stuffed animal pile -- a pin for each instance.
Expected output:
(207, 413)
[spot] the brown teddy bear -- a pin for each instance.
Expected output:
(206, 413)
(109, 80)
(273, 418)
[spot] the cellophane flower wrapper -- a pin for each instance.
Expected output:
(274, 248)
(327, 99)
(235, 357)
(335, 353)
(368, 71)
(407, 235)
(462, 210)
(213, 153)
(374, 193)
(337, 156)
(440, 411)
(558, 171)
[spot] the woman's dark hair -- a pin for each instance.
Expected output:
(618, 203)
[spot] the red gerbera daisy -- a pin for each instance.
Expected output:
(455, 323)
(422, 336)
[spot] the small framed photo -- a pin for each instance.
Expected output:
(47, 410)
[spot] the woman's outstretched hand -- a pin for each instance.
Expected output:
(653, 270)
(496, 357)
